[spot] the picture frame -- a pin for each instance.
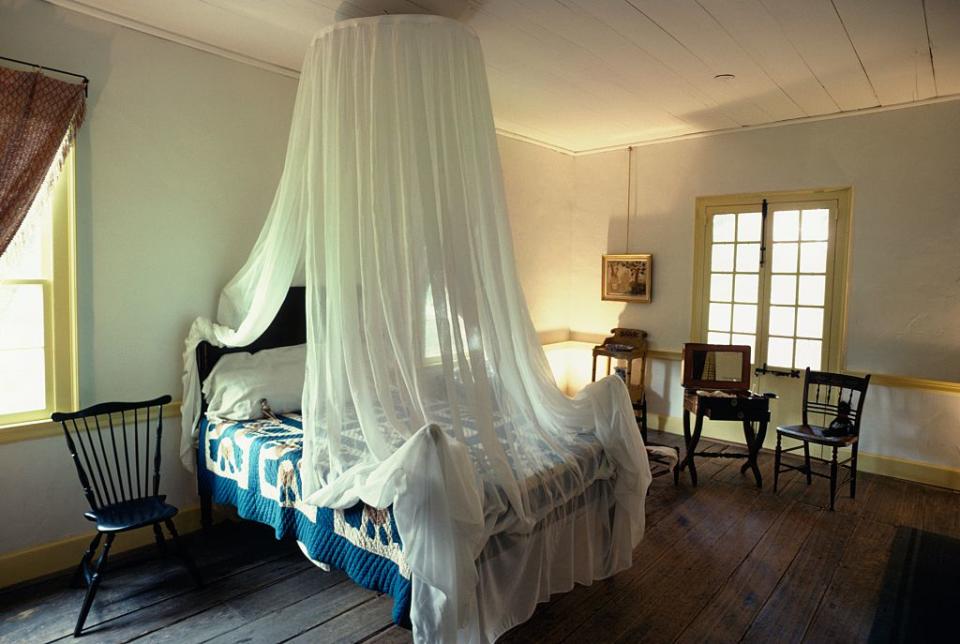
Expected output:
(627, 278)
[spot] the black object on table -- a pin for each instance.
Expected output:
(738, 406)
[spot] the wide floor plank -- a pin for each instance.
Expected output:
(729, 613)
(723, 562)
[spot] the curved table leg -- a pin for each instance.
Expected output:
(691, 443)
(754, 442)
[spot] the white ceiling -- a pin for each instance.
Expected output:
(589, 74)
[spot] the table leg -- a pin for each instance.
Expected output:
(754, 441)
(691, 442)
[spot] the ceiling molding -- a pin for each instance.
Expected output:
(764, 126)
(528, 139)
(80, 7)
(107, 16)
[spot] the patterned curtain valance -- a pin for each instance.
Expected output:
(37, 114)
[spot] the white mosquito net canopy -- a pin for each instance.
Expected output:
(426, 386)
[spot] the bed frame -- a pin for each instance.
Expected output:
(288, 328)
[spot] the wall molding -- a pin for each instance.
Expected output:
(876, 109)
(64, 554)
(45, 428)
(122, 21)
(882, 379)
(894, 467)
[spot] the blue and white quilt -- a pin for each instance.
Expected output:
(255, 467)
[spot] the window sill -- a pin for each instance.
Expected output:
(37, 429)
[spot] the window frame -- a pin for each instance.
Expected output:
(60, 304)
(833, 354)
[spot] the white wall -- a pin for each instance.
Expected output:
(177, 165)
(539, 184)
(904, 300)
(903, 166)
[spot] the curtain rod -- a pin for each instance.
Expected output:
(86, 81)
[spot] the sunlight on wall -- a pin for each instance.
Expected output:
(571, 364)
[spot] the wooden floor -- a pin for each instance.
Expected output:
(725, 563)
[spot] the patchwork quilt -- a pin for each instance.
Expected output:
(255, 467)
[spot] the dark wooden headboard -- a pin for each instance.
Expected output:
(287, 329)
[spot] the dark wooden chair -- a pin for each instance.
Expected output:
(111, 447)
(824, 394)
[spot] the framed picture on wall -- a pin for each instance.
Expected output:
(627, 278)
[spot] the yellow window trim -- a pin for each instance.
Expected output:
(835, 332)
(45, 428)
(60, 308)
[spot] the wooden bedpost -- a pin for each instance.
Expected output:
(206, 511)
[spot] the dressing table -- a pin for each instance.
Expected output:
(716, 382)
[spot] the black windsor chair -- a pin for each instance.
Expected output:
(111, 447)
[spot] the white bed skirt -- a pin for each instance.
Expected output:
(575, 545)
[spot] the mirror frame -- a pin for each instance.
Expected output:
(689, 382)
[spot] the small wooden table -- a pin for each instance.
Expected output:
(627, 346)
(742, 406)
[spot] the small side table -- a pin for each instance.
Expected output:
(629, 346)
(738, 406)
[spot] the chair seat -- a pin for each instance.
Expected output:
(132, 514)
(814, 434)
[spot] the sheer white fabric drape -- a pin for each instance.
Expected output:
(391, 203)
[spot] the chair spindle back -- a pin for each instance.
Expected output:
(116, 469)
(824, 391)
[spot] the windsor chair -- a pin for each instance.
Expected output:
(111, 448)
(826, 396)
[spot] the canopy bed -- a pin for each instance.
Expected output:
(433, 456)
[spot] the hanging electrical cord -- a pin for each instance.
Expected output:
(629, 185)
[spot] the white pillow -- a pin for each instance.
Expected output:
(239, 381)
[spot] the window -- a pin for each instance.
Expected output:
(774, 278)
(37, 310)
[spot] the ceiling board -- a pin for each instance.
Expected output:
(891, 38)
(815, 31)
(755, 95)
(610, 55)
(710, 109)
(751, 25)
(590, 74)
(545, 65)
(943, 21)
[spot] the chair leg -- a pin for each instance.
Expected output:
(161, 542)
(182, 553)
(94, 584)
(833, 478)
(776, 466)
(82, 574)
(643, 419)
(853, 473)
(806, 460)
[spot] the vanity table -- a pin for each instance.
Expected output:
(716, 381)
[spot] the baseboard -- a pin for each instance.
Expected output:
(58, 556)
(899, 468)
